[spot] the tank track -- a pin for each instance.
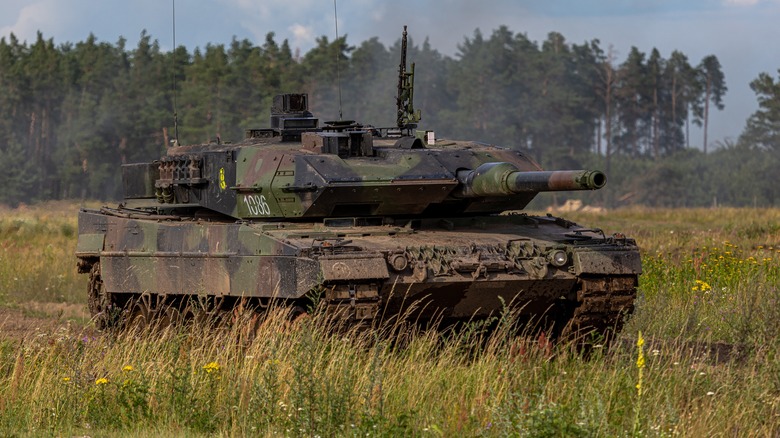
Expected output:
(350, 303)
(602, 305)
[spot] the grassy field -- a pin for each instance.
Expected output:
(36, 254)
(699, 357)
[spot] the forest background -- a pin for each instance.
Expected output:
(72, 113)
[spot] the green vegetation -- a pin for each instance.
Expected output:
(72, 113)
(36, 255)
(710, 356)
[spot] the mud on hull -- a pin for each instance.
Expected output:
(451, 269)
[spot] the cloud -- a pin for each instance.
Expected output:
(741, 2)
(748, 3)
(74, 20)
(260, 17)
(47, 16)
(302, 35)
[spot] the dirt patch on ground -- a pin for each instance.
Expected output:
(33, 319)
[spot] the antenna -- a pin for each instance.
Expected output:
(338, 56)
(407, 116)
(175, 110)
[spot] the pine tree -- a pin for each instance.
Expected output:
(763, 126)
(713, 84)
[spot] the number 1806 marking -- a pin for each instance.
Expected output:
(257, 205)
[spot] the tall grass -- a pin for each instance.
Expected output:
(36, 255)
(710, 279)
(304, 380)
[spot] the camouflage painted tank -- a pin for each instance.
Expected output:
(369, 220)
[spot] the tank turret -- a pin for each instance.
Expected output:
(299, 170)
(367, 220)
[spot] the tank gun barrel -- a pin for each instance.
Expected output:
(504, 179)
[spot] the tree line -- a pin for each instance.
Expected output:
(71, 113)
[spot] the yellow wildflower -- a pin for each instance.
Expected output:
(128, 368)
(701, 286)
(211, 367)
(66, 379)
(640, 362)
(101, 381)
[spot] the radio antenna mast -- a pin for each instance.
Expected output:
(338, 55)
(173, 60)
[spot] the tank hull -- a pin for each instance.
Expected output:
(364, 269)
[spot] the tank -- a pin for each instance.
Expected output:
(368, 222)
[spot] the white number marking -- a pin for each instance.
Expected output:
(257, 205)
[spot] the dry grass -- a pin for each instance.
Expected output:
(36, 254)
(712, 358)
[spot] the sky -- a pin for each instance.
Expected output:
(743, 34)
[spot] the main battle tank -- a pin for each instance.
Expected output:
(367, 221)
